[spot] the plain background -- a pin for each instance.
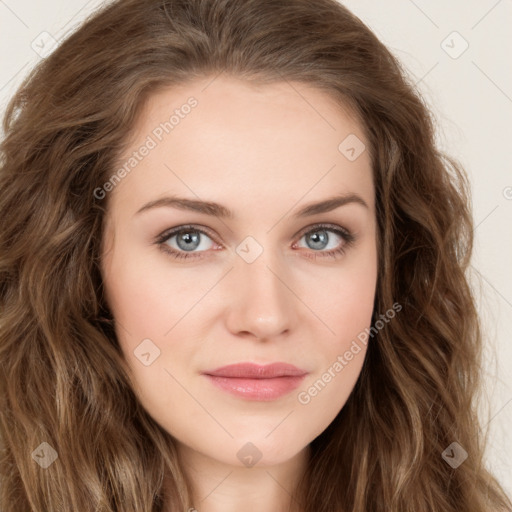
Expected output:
(469, 90)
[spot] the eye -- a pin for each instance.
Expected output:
(322, 236)
(190, 241)
(183, 240)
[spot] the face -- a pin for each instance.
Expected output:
(214, 255)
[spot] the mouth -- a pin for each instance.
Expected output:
(255, 382)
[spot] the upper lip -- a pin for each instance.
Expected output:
(255, 371)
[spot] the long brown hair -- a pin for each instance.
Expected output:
(63, 379)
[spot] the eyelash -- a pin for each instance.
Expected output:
(346, 235)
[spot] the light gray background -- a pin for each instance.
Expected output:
(470, 94)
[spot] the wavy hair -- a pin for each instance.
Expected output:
(63, 379)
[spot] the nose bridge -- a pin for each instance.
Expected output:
(261, 302)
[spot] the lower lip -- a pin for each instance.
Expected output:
(263, 390)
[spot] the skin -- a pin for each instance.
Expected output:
(264, 152)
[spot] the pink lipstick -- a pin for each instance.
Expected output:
(256, 382)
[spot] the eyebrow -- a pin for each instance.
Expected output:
(218, 210)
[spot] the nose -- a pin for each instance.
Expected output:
(261, 300)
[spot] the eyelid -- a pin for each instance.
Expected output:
(323, 225)
(168, 233)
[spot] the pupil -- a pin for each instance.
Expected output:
(188, 238)
(320, 239)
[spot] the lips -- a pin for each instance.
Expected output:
(254, 371)
(255, 382)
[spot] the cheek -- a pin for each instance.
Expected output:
(347, 312)
(324, 396)
(146, 298)
(345, 306)
(343, 302)
(142, 297)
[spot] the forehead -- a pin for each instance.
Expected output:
(228, 139)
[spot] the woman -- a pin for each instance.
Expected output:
(233, 272)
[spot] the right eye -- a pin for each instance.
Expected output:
(182, 242)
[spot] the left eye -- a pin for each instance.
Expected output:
(318, 239)
(187, 241)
